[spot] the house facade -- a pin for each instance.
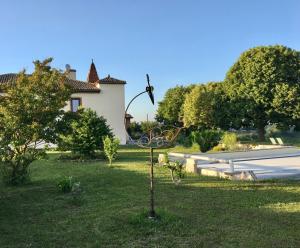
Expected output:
(106, 96)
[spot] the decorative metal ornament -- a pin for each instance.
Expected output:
(161, 136)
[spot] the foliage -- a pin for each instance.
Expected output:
(66, 184)
(177, 171)
(176, 168)
(218, 148)
(29, 113)
(206, 139)
(207, 106)
(146, 126)
(64, 128)
(271, 129)
(79, 158)
(86, 133)
(170, 108)
(266, 82)
(229, 141)
(184, 138)
(77, 193)
(111, 146)
(135, 130)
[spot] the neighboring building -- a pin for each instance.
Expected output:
(128, 118)
(105, 96)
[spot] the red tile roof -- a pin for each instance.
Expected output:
(78, 86)
(111, 80)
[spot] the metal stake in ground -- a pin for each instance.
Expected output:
(157, 137)
(152, 211)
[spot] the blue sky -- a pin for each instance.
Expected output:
(176, 42)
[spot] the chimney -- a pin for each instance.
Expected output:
(71, 73)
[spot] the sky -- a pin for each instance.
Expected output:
(177, 42)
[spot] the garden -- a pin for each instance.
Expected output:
(88, 191)
(111, 210)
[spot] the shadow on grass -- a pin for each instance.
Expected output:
(201, 212)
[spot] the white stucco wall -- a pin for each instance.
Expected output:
(109, 103)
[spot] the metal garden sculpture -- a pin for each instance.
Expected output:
(161, 136)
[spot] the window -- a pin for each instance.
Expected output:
(75, 104)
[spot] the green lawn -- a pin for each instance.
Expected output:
(201, 212)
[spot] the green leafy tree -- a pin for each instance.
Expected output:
(29, 111)
(135, 130)
(111, 146)
(207, 106)
(170, 108)
(146, 126)
(266, 82)
(86, 133)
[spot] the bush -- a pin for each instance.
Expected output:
(14, 175)
(77, 194)
(229, 140)
(184, 140)
(66, 184)
(135, 130)
(177, 171)
(218, 148)
(111, 146)
(86, 133)
(206, 139)
(176, 168)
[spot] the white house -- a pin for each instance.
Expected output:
(106, 96)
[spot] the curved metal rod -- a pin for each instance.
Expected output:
(134, 99)
(126, 113)
(152, 137)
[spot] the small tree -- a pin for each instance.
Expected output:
(29, 111)
(85, 133)
(111, 146)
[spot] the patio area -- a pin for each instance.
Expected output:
(265, 164)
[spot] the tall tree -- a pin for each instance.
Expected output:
(170, 108)
(29, 112)
(207, 106)
(266, 80)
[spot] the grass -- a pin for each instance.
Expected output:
(201, 212)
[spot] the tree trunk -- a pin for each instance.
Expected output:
(261, 132)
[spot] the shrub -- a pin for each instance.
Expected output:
(66, 184)
(176, 168)
(135, 130)
(229, 140)
(77, 194)
(177, 171)
(111, 146)
(184, 140)
(86, 133)
(218, 148)
(206, 139)
(14, 175)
